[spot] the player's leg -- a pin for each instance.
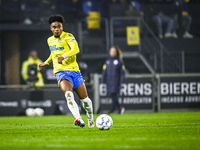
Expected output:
(114, 102)
(158, 21)
(67, 88)
(87, 103)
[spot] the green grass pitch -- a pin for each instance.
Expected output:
(137, 131)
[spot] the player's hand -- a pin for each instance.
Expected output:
(60, 59)
(41, 65)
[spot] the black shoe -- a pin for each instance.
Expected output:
(79, 123)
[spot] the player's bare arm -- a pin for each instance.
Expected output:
(41, 65)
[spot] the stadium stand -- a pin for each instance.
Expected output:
(94, 43)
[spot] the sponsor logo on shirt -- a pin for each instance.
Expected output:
(54, 48)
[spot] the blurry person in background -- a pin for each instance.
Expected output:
(185, 18)
(30, 72)
(113, 76)
(157, 13)
(134, 9)
(171, 9)
(30, 11)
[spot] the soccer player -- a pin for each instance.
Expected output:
(63, 48)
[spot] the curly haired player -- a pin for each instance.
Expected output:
(63, 49)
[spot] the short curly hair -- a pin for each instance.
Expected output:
(56, 17)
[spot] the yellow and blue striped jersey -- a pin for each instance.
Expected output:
(65, 44)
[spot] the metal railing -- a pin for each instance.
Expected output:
(164, 61)
(82, 30)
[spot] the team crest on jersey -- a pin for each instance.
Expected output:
(115, 62)
(70, 35)
(73, 39)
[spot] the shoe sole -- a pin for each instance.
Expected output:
(78, 123)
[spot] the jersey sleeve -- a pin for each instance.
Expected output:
(49, 60)
(122, 79)
(74, 49)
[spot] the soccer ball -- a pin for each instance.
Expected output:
(39, 111)
(30, 112)
(34, 112)
(104, 122)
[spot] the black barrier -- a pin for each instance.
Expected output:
(179, 91)
(136, 94)
(14, 103)
(175, 91)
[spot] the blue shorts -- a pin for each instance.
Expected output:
(72, 76)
